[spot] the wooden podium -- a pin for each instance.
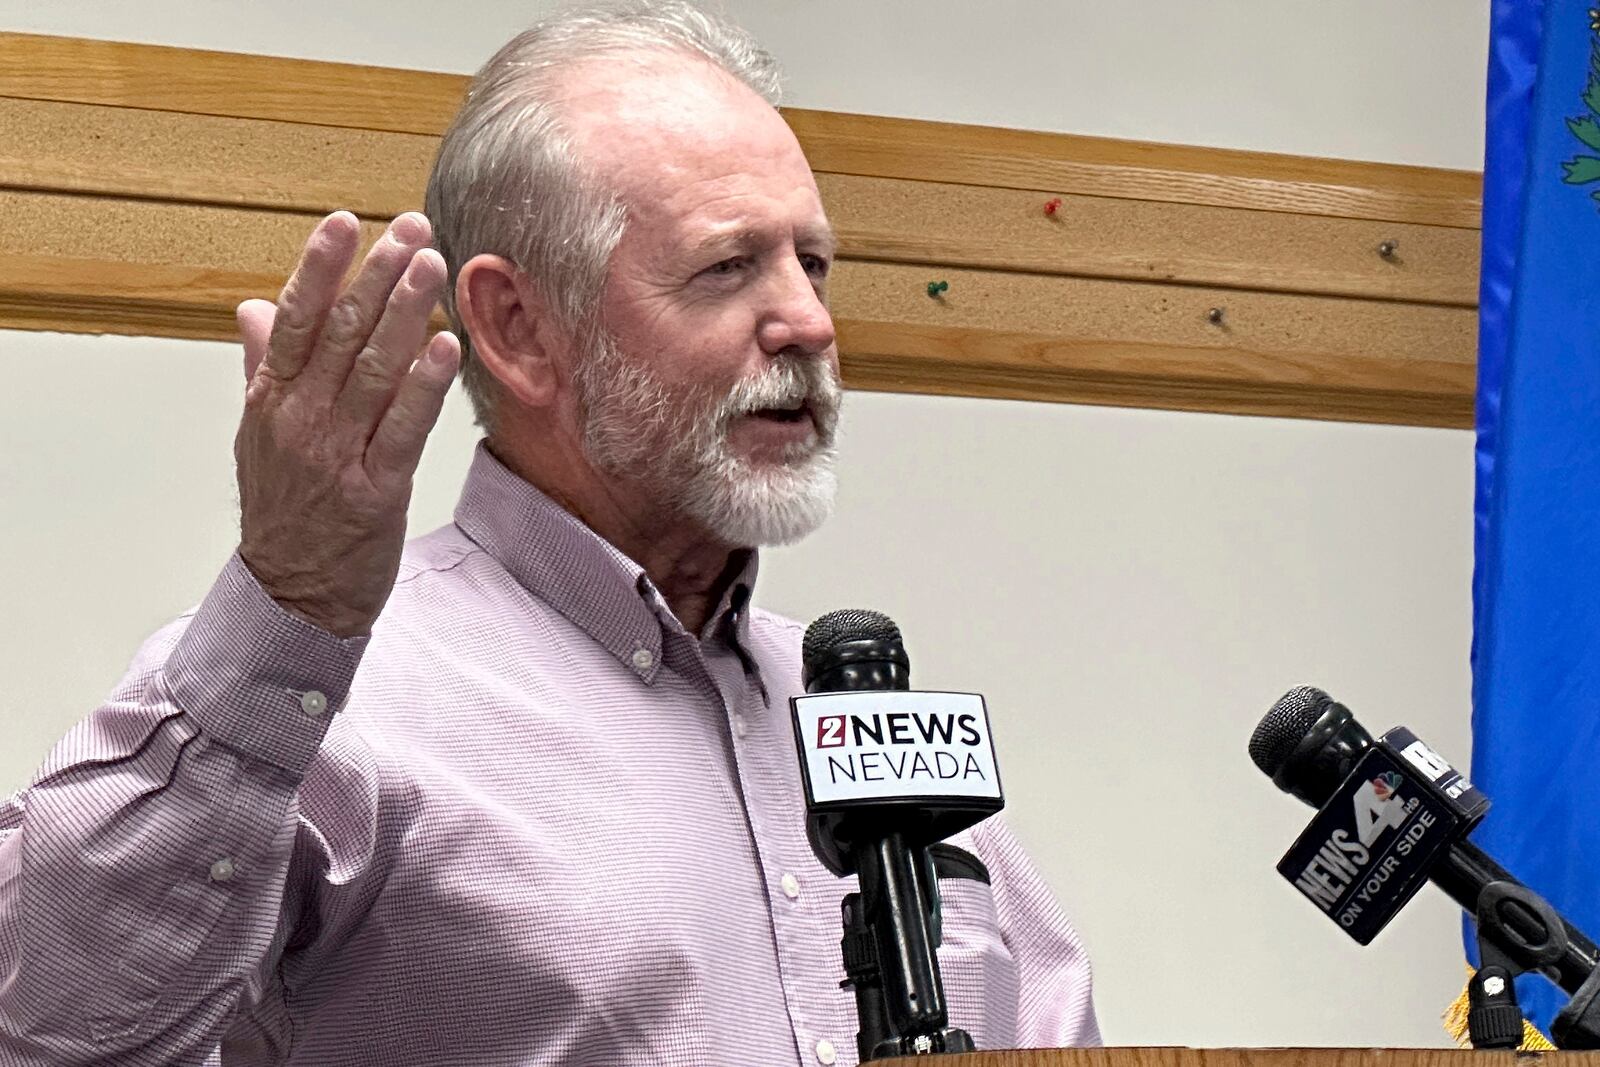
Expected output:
(1251, 1057)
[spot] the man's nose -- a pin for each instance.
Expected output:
(796, 320)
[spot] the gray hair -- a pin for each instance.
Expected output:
(507, 181)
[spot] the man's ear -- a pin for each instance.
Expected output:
(507, 320)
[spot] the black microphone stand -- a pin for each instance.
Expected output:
(896, 918)
(1518, 932)
(1309, 743)
(891, 926)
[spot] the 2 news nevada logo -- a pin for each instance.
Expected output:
(830, 731)
(898, 728)
(903, 746)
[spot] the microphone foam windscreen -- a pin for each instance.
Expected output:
(1290, 719)
(849, 624)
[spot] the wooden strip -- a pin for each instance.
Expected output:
(89, 148)
(377, 98)
(292, 166)
(1309, 338)
(131, 299)
(1076, 310)
(1029, 337)
(104, 262)
(69, 295)
(176, 270)
(98, 296)
(189, 236)
(161, 78)
(893, 358)
(1005, 229)
(85, 264)
(1098, 166)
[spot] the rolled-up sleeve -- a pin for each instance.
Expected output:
(142, 872)
(1055, 1006)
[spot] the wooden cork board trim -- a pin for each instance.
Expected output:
(121, 266)
(381, 98)
(266, 244)
(1018, 366)
(132, 202)
(158, 155)
(1308, 330)
(126, 152)
(1104, 237)
(200, 82)
(1136, 170)
(100, 296)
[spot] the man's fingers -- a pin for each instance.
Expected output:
(393, 346)
(396, 446)
(255, 329)
(357, 312)
(309, 293)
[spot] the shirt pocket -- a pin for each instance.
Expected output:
(978, 970)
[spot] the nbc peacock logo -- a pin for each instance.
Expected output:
(1385, 785)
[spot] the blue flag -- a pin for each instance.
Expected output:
(1536, 583)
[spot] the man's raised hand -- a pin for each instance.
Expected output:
(341, 396)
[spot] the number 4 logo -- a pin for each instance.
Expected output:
(1378, 806)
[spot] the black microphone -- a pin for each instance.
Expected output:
(888, 772)
(1392, 812)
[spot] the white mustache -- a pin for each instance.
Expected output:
(786, 385)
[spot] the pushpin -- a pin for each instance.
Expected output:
(1052, 205)
(935, 288)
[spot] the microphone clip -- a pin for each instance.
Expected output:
(1518, 931)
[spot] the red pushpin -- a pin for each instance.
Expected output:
(1051, 206)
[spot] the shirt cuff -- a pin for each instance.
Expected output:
(258, 679)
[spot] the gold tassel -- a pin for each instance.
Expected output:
(1455, 1024)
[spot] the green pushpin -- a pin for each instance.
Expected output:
(935, 288)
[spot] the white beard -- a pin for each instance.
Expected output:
(637, 427)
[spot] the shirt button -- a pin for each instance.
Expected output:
(643, 659)
(791, 889)
(825, 1052)
(740, 727)
(222, 870)
(313, 703)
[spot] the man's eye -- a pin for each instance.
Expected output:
(727, 266)
(817, 266)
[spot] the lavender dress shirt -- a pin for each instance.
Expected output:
(540, 824)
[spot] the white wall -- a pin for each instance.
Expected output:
(1131, 589)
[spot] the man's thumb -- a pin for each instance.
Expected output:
(255, 328)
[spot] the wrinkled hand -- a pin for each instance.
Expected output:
(341, 396)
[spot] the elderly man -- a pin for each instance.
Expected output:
(523, 791)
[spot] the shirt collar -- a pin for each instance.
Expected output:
(733, 611)
(558, 559)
